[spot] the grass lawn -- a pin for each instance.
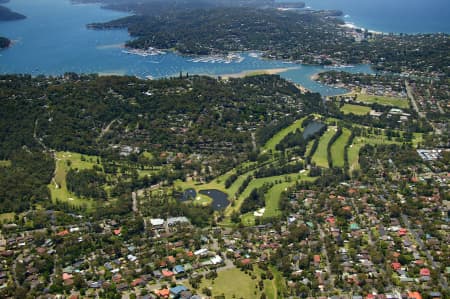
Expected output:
(148, 155)
(7, 217)
(272, 143)
(338, 148)
(63, 159)
(355, 109)
(278, 281)
(320, 157)
(232, 283)
(387, 101)
(309, 148)
(248, 219)
(5, 163)
(273, 198)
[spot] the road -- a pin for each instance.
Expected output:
(325, 254)
(422, 246)
(410, 93)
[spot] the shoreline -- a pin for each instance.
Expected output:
(249, 73)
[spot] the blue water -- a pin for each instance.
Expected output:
(220, 199)
(54, 40)
(407, 16)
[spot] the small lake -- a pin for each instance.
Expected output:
(220, 199)
(53, 40)
(188, 194)
(312, 128)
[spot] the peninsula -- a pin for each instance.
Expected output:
(7, 14)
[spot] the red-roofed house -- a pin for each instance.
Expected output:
(63, 233)
(246, 261)
(396, 266)
(171, 259)
(402, 232)
(414, 295)
(167, 273)
(136, 282)
(117, 231)
(424, 272)
(163, 293)
(316, 259)
(66, 276)
(331, 220)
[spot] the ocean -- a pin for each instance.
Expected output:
(397, 16)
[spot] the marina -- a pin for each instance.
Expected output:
(82, 50)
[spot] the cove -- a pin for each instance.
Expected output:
(53, 40)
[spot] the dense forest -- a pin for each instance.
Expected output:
(24, 181)
(4, 42)
(305, 36)
(8, 15)
(92, 115)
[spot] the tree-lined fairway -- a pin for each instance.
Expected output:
(273, 199)
(358, 143)
(64, 162)
(258, 183)
(338, 148)
(355, 109)
(272, 143)
(382, 100)
(320, 157)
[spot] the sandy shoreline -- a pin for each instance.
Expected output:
(256, 72)
(274, 71)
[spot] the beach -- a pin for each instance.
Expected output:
(275, 71)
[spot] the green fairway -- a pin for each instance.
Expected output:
(272, 143)
(309, 148)
(320, 157)
(273, 199)
(355, 109)
(338, 148)
(64, 162)
(382, 100)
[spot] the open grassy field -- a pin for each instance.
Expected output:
(382, 100)
(338, 148)
(272, 143)
(64, 162)
(232, 283)
(320, 157)
(355, 109)
(5, 163)
(7, 217)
